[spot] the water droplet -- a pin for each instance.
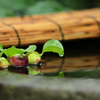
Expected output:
(60, 55)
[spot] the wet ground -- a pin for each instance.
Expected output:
(81, 59)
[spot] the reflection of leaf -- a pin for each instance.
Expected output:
(33, 70)
(53, 46)
(61, 74)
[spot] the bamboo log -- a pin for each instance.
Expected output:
(37, 29)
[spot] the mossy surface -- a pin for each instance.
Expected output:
(23, 87)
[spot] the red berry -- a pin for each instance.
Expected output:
(18, 61)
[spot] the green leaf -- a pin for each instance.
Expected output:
(13, 50)
(1, 47)
(31, 48)
(53, 46)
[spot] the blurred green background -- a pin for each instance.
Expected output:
(30, 7)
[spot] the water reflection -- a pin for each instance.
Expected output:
(34, 70)
(86, 66)
(78, 61)
(19, 70)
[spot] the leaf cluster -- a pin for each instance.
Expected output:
(50, 46)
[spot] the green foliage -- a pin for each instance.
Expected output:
(45, 7)
(75, 4)
(13, 50)
(49, 46)
(31, 48)
(29, 7)
(1, 47)
(53, 46)
(12, 7)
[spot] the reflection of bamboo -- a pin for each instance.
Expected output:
(72, 64)
(51, 66)
(40, 28)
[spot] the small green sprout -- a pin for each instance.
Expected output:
(29, 53)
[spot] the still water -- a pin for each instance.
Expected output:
(81, 59)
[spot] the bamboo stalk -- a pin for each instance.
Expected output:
(40, 28)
